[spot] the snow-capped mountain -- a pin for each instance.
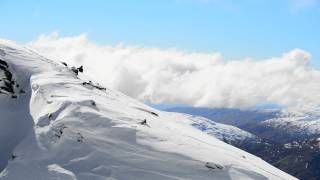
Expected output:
(287, 127)
(302, 124)
(55, 125)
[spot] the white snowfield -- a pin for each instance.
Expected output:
(62, 129)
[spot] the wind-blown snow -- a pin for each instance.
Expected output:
(75, 131)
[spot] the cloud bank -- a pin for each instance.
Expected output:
(199, 79)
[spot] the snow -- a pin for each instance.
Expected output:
(62, 129)
(302, 123)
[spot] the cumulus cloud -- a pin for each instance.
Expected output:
(199, 79)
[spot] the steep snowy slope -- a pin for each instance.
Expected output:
(64, 128)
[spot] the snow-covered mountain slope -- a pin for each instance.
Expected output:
(288, 126)
(221, 131)
(60, 127)
(303, 123)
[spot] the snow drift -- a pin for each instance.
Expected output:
(55, 125)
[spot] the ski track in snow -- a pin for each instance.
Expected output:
(62, 129)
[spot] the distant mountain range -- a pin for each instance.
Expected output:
(235, 117)
(288, 141)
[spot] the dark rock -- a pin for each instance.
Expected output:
(144, 122)
(80, 69)
(8, 86)
(153, 113)
(8, 89)
(13, 157)
(3, 63)
(3, 68)
(59, 130)
(95, 86)
(75, 70)
(148, 111)
(211, 165)
(65, 64)
(80, 138)
(8, 75)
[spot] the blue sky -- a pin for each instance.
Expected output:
(238, 29)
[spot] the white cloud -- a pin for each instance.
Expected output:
(172, 76)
